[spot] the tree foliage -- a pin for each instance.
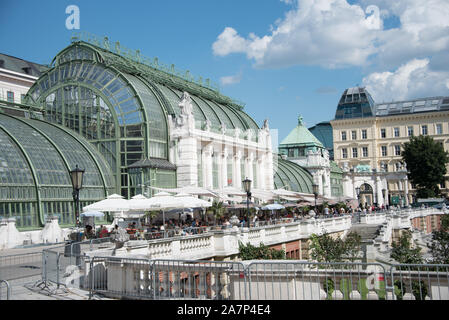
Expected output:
(439, 245)
(262, 252)
(217, 209)
(426, 162)
(404, 253)
(327, 249)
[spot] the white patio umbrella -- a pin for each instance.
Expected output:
(273, 206)
(286, 193)
(189, 190)
(264, 195)
(92, 214)
(113, 203)
(162, 201)
(230, 191)
(138, 203)
(187, 201)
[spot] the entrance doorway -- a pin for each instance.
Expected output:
(366, 195)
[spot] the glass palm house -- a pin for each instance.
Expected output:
(108, 112)
(122, 107)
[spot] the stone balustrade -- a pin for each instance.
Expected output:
(225, 243)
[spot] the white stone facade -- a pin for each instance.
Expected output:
(193, 150)
(17, 83)
(318, 164)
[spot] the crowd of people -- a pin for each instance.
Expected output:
(193, 226)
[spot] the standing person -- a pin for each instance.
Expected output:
(103, 232)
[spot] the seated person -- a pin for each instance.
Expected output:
(88, 233)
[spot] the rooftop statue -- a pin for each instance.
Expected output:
(186, 104)
(265, 125)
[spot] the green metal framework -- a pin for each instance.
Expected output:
(291, 176)
(122, 106)
(336, 180)
(35, 160)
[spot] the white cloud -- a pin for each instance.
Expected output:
(330, 33)
(228, 80)
(412, 80)
(334, 33)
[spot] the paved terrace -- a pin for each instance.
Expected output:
(224, 243)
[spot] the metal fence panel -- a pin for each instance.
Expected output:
(299, 280)
(5, 290)
(420, 281)
(13, 267)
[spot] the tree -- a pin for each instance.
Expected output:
(262, 252)
(151, 214)
(403, 252)
(327, 249)
(217, 210)
(439, 245)
(426, 162)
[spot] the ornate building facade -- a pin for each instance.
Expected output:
(369, 137)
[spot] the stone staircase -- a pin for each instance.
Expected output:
(368, 232)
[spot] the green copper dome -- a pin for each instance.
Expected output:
(301, 136)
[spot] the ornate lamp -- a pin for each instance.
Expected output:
(315, 193)
(77, 183)
(247, 189)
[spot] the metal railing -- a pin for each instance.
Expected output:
(165, 279)
(8, 290)
(130, 278)
(420, 281)
(18, 266)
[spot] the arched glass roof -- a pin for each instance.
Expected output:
(35, 160)
(291, 176)
(208, 104)
(36, 148)
(122, 106)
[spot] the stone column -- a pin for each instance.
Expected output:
(260, 169)
(224, 168)
(187, 159)
(249, 167)
(208, 166)
(237, 179)
(406, 191)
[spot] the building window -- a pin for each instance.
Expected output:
(354, 153)
(22, 98)
(291, 153)
(343, 135)
(365, 152)
(354, 135)
(396, 132)
(364, 134)
(397, 150)
(383, 133)
(439, 128)
(424, 130)
(384, 151)
(344, 153)
(10, 96)
(410, 131)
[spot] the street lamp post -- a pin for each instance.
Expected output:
(77, 183)
(247, 188)
(315, 193)
(357, 191)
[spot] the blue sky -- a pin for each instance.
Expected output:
(281, 57)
